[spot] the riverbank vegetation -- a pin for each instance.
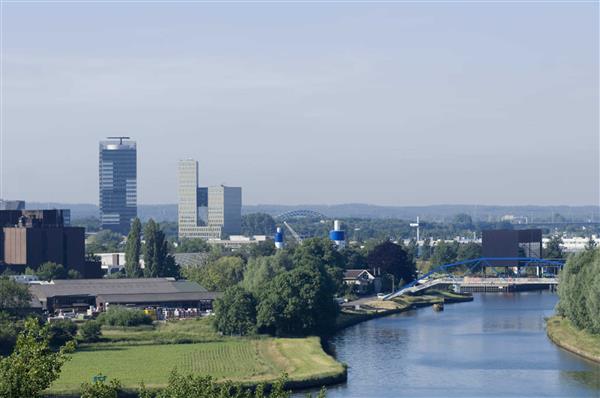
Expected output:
(578, 328)
(562, 332)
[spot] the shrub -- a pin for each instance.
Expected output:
(185, 386)
(90, 331)
(121, 316)
(62, 331)
(100, 389)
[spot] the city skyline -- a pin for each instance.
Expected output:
(396, 105)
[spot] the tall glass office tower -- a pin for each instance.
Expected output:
(118, 183)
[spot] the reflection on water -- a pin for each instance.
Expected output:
(589, 378)
(494, 346)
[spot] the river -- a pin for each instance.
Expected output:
(494, 346)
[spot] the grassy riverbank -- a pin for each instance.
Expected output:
(150, 354)
(565, 335)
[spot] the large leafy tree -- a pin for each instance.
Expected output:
(258, 224)
(157, 260)
(48, 271)
(319, 250)
(299, 302)
(444, 253)
(261, 270)
(426, 249)
(553, 248)
(133, 250)
(104, 241)
(390, 258)
(218, 275)
(32, 366)
(13, 295)
(468, 251)
(354, 257)
(579, 290)
(235, 312)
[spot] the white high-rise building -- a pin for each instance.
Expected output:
(207, 213)
(225, 208)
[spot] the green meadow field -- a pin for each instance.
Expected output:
(242, 360)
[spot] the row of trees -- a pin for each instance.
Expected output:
(579, 290)
(158, 262)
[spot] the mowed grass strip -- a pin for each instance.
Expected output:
(562, 332)
(242, 360)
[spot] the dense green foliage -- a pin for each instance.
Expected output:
(91, 224)
(104, 241)
(261, 270)
(265, 248)
(391, 259)
(13, 295)
(101, 389)
(258, 224)
(235, 312)
(32, 366)
(133, 250)
(299, 302)
(579, 290)
(90, 331)
(193, 246)
(186, 386)
(553, 248)
(157, 260)
(121, 316)
(218, 275)
(49, 271)
(62, 331)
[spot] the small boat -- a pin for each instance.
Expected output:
(438, 307)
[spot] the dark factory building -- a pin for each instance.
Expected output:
(29, 238)
(512, 243)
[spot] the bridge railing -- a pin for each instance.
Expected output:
(481, 262)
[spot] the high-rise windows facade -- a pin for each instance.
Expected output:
(118, 183)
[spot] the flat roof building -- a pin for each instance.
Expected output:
(117, 183)
(142, 292)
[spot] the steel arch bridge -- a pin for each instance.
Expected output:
(300, 213)
(483, 262)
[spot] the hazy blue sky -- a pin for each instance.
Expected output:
(398, 104)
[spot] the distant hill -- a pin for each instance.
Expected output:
(168, 212)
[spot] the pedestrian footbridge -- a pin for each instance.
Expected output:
(547, 271)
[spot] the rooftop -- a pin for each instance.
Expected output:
(95, 287)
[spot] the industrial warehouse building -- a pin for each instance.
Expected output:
(80, 294)
(29, 238)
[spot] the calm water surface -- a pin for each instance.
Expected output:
(495, 346)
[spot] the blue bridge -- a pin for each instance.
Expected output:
(546, 274)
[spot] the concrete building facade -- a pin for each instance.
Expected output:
(118, 183)
(206, 213)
